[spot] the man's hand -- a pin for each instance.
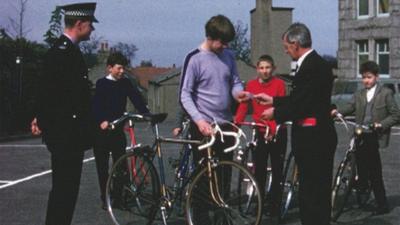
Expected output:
(176, 131)
(243, 96)
(35, 128)
(264, 99)
(268, 114)
(204, 127)
(104, 125)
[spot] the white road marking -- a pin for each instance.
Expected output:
(11, 183)
(5, 181)
(22, 146)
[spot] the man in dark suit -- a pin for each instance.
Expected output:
(64, 111)
(314, 137)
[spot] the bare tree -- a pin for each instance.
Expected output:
(240, 44)
(17, 24)
(128, 50)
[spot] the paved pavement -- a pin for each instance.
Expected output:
(25, 182)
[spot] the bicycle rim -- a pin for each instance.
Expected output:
(133, 190)
(228, 203)
(288, 186)
(343, 184)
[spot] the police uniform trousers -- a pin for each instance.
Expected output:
(370, 167)
(106, 142)
(201, 209)
(66, 165)
(314, 149)
(276, 150)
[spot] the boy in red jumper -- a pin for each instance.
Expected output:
(266, 83)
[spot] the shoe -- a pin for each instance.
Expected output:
(380, 210)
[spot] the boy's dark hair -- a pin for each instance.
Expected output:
(220, 27)
(117, 58)
(267, 58)
(369, 66)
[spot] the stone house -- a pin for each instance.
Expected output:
(369, 30)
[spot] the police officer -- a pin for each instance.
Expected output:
(63, 111)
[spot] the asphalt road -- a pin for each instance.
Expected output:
(25, 181)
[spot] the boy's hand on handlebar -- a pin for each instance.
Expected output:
(334, 112)
(104, 125)
(176, 131)
(35, 128)
(204, 127)
(268, 114)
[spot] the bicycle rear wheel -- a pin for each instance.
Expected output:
(220, 200)
(343, 185)
(289, 183)
(133, 190)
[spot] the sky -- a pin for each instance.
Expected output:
(164, 31)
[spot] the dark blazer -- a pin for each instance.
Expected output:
(384, 110)
(311, 94)
(64, 99)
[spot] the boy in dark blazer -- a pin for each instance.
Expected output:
(374, 104)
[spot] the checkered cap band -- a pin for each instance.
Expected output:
(80, 12)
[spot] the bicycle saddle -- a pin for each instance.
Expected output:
(156, 117)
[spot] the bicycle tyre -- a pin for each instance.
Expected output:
(200, 206)
(133, 189)
(343, 184)
(288, 185)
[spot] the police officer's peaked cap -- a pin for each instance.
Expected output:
(80, 11)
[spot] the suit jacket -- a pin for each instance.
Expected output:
(310, 97)
(384, 110)
(64, 99)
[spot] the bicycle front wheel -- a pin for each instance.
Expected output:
(289, 182)
(343, 184)
(133, 190)
(214, 197)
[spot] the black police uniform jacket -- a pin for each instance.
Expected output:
(64, 97)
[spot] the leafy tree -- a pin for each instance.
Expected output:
(240, 44)
(89, 50)
(128, 50)
(55, 28)
(146, 63)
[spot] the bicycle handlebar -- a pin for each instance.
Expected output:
(216, 129)
(123, 118)
(359, 128)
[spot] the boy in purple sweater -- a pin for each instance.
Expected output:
(209, 84)
(109, 103)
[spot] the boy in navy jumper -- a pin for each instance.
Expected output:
(109, 103)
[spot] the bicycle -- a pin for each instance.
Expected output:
(145, 192)
(243, 156)
(346, 177)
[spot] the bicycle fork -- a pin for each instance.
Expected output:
(213, 181)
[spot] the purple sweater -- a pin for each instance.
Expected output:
(208, 83)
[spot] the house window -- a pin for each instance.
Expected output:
(363, 8)
(383, 7)
(362, 52)
(382, 56)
